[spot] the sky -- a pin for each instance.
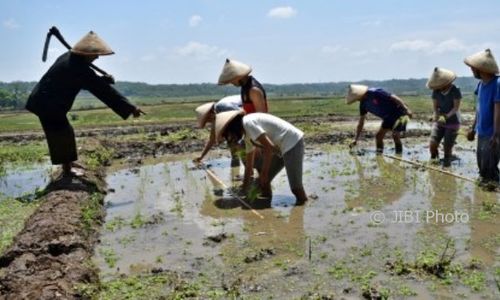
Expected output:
(164, 42)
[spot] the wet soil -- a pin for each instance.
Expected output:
(52, 253)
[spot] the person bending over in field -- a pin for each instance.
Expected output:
(389, 107)
(282, 145)
(53, 97)
(206, 114)
(446, 103)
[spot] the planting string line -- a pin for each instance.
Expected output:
(428, 167)
(214, 177)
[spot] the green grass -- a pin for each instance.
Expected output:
(21, 154)
(13, 214)
(184, 112)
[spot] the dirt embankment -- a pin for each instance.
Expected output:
(52, 253)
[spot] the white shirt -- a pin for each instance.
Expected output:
(228, 103)
(283, 134)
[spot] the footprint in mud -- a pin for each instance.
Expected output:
(263, 253)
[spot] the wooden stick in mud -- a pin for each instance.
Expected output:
(214, 177)
(428, 167)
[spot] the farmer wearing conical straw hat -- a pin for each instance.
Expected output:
(282, 146)
(389, 107)
(253, 94)
(487, 120)
(206, 114)
(446, 104)
(53, 97)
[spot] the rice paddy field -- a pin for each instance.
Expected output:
(374, 227)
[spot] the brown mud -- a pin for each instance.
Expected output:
(52, 253)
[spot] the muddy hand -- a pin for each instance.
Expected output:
(138, 112)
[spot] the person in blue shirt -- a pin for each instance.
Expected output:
(389, 107)
(487, 121)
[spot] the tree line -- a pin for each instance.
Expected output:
(13, 95)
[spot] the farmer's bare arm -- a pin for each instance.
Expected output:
(249, 160)
(257, 98)
(359, 129)
(209, 144)
(454, 110)
(268, 150)
(400, 102)
(436, 110)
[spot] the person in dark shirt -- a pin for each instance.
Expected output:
(389, 107)
(53, 96)
(446, 103)
(253, 94)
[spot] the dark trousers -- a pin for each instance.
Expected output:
(487, 159)
(60, 138)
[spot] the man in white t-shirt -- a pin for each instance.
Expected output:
(282, 145)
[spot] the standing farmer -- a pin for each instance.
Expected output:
(487, 120)
(389, 107)
(446, 103)
(53, 97)
(253, 94)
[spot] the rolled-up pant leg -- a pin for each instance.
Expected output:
(60, 138)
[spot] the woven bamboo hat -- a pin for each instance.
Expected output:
(92, 44)
(440, 78)
(483, 61)
(233, 69)
(222, 120)
(355, 92)
(203, 113)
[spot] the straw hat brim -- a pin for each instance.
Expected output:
(222, 120)
(92, 44)
(203, 113)
(440, 78)
(233, 70)
(355, 93)
(483, 61)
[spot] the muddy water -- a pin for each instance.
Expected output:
(21, 180)
(365, 210)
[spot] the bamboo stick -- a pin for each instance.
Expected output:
(428, 167)
(215, 178)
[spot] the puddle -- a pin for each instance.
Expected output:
(22, 180)
(160, 215)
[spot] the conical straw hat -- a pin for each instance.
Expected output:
(92, 44)
(222, 120)
(440, 78)
(483, 61)
(355, 92)
(233, 69)
(203, 112)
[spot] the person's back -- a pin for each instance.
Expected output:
(60, 85)
(378, 102)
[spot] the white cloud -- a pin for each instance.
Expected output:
(430, 47)
(10, 24)
(195, 20)
(451, 45)
(411, 45)
(282, 12)
(199, 51)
